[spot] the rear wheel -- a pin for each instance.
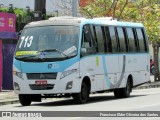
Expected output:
(25, 100)
(83, 96)
(124, 92)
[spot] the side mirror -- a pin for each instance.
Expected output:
(83, 50)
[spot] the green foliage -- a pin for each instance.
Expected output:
(19, 12)
(144, 11)
(3, 9)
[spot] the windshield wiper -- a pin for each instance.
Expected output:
(54, 50)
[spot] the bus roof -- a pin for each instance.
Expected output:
(108, 21)
(77, 21)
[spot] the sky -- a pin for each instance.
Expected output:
(51, 5)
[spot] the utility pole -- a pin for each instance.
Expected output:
(74, 8)
(39, 5)
(156, 64)
(40, 10)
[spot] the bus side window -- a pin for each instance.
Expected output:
(145, 39)
(126, 39)
(113, 39)
(121, 39)
(100, 39)
(87, 41)
(86, 37)
(131, 40)
(136, 39)
(108, 40)
(141, 40)
(93, 35)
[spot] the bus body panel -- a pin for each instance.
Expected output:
(136, 64)
(92, 67)
(59, 83)
(106, 71)
(112, 71)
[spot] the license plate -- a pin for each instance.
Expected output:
(41, 82)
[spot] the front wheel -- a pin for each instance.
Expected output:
(25, 100)
(124, 92)
(83, 96)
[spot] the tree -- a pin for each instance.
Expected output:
(144, 11)
(100, 8)
(3, 9)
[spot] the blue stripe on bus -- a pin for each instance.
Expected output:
(38, 67)
(105, 71)
(17, 64)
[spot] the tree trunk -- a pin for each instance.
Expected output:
(156, 63)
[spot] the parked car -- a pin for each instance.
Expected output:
(151, 66)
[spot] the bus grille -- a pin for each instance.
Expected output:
(41, 87)
(41, 75)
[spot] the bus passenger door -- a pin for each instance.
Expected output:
(98, 31)
(111, 60)
(111, 63)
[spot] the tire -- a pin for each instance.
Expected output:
(124, 92)
(152, 69)
(83, 96)
(25, 100)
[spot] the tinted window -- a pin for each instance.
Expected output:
(87, 38)
(100, 38)
(131, 40)
(121, 38)
(113, 39)
(141, 40)
(108, 40)
(145, 39)
(93, 35)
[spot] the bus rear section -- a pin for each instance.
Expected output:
(115, 56)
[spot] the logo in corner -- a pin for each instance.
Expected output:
(6, 114)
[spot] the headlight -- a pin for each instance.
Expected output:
(18, 74)
(68, 72)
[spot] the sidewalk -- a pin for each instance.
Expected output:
(150, 84)
(9, 97)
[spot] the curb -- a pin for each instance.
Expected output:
(148, 85)
(9, 102)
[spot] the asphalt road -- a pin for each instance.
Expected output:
(140, 100)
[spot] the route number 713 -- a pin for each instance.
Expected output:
(27, 41)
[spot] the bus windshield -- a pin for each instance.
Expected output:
(48, 43)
